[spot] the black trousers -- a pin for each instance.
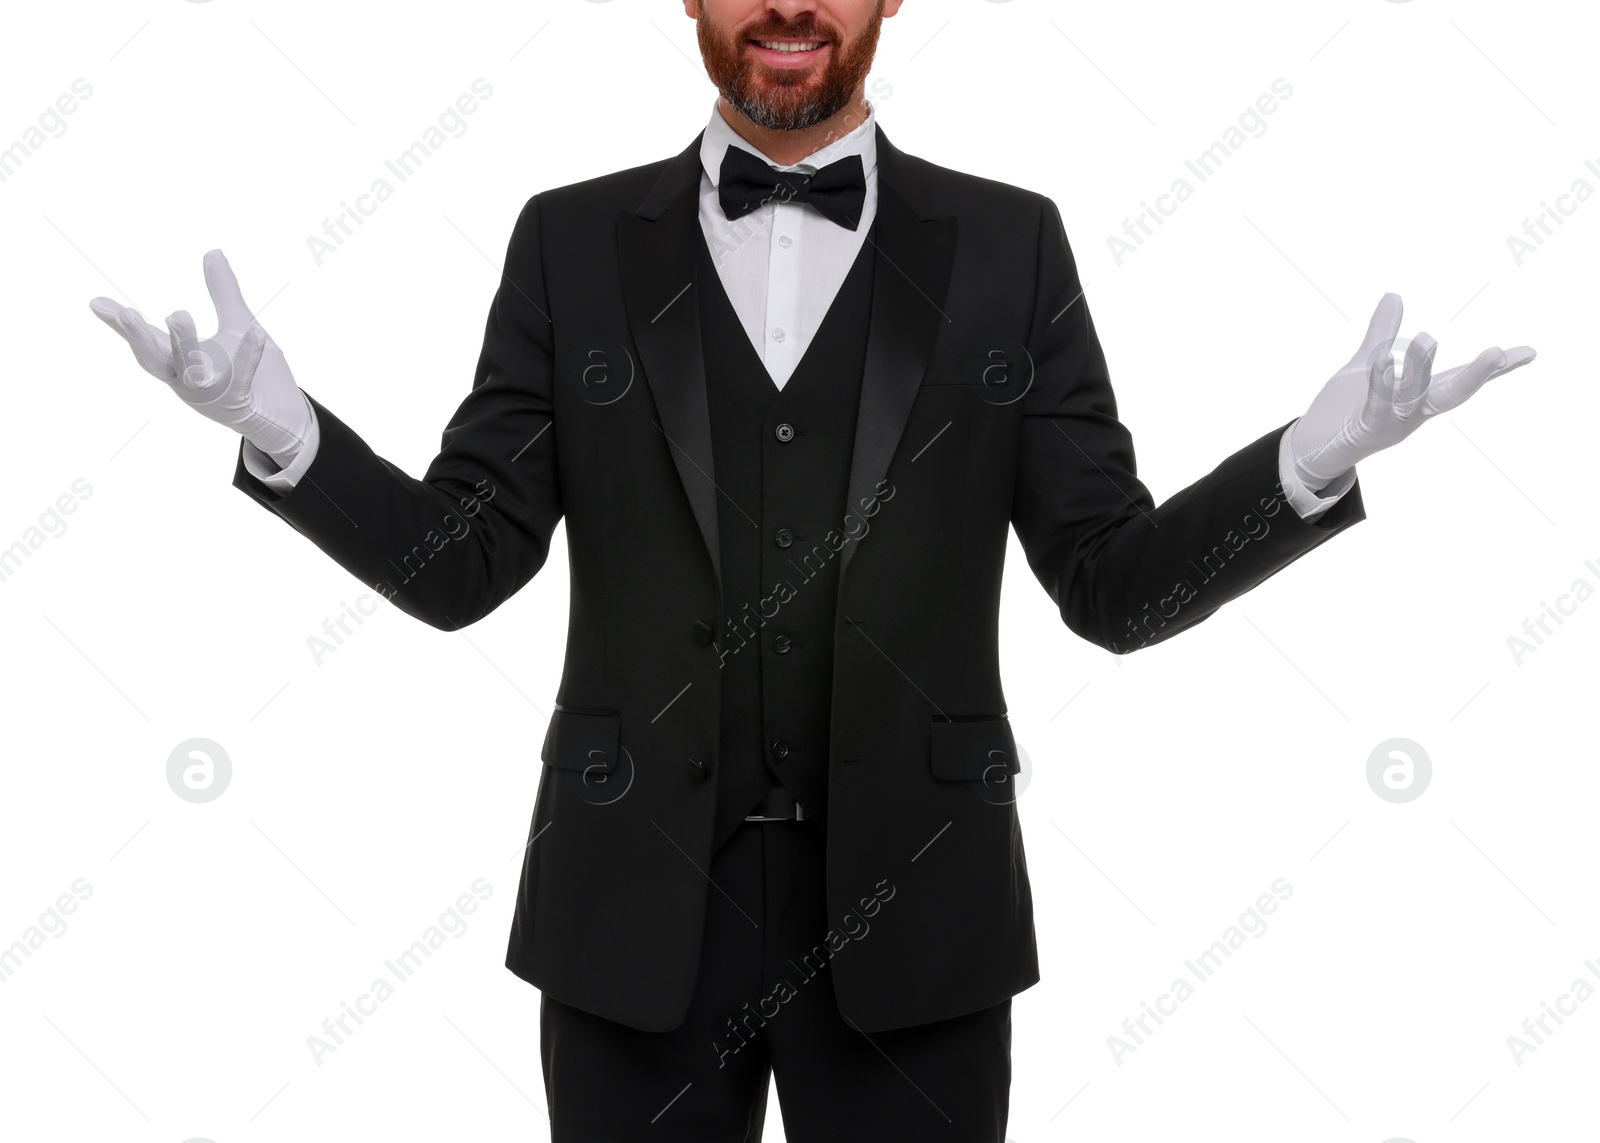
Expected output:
(764, 1006)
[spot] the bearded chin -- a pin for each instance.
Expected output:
(784, 108)
(781, 101)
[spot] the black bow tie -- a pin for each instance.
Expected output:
(838, 190)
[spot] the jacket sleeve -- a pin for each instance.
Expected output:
(1124, 571)
(451, 547)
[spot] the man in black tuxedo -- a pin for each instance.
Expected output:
(790, 389)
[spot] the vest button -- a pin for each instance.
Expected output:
(785, 432)
(702, 631)
(697, 769)
(781, 644)
(784, 538)
(780, 749)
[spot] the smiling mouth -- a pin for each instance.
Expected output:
(790, 47)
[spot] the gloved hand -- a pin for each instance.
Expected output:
(237, 377)
(1365, 408)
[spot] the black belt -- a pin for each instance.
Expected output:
(776, 805)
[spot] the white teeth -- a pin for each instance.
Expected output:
(787, 47)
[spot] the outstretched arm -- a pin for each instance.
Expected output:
(448, 548)
(1125, 572)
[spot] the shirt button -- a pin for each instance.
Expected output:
(784, 538)
(785, 432)
(781, 644)
(780, 749)
(785, 241)
(778, 334)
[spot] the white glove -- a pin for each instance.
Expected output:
(237, 377)
(1365, 408)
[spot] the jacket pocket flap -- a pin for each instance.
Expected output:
(974, 749)
(582, 742)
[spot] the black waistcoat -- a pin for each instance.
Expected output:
(781, 459)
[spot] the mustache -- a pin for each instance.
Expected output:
(804, 29)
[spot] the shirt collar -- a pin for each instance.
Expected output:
(863, 141)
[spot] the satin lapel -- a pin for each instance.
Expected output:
(915, 249)
(659, 269)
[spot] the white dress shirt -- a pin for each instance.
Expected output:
(781, 266)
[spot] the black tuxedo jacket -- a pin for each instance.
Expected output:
(985, 406)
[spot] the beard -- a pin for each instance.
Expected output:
(786, 99)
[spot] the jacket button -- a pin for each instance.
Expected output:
(784, 538)
(780, 749)
(697, 769)
(785, 432)
(781, 644)
(702, 631)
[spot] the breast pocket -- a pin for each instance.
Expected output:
(992, 371)
(998, 369)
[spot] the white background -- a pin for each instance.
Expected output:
(371, 789)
